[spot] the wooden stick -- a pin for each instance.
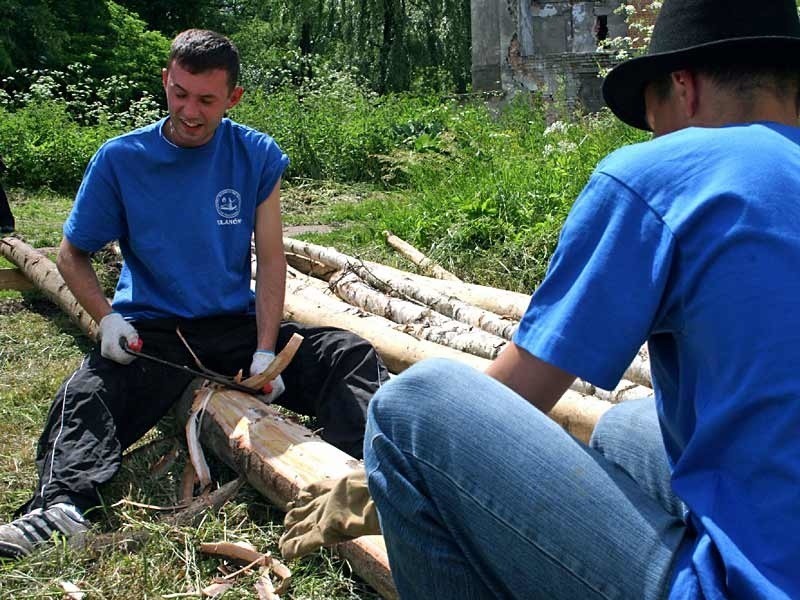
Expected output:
(276, 367)
(418, 258)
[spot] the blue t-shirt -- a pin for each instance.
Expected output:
(692, 242)
(183, 217)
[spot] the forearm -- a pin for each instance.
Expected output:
(76, 268)
(538, 382)
(270, 293)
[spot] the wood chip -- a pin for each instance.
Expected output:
(71, 591)
(216, 589)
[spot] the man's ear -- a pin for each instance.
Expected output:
(685, 85)
(235, 96)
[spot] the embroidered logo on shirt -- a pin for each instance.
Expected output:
(229, 204)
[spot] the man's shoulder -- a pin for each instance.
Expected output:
(137, 139)
(693, 144)
(247, 134)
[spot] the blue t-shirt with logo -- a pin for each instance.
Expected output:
(183, 217)
(691, 241)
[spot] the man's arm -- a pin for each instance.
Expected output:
(540, 383)
(75, 267)
(271, 269)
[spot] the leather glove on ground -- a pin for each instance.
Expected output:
(328, 512)
(261, 360)
(113, 328)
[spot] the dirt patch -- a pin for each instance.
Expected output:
(301, 229)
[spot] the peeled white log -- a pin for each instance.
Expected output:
(418, 258)
(278, 457)
(420, 321)
(448, 305)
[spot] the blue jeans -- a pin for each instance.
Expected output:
(481, 495)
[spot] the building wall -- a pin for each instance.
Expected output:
(548, 47)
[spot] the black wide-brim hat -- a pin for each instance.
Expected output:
(693, 33)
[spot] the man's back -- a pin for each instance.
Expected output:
(726, 336)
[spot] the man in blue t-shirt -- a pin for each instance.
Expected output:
(184, 196)
(690, 242)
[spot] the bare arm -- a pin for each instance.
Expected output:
(271, 269)
(540, 383)
(75, 267)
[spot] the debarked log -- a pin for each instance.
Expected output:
(418, 258)
(278, 457)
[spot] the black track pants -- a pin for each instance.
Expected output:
(6, 218)
(104, 407)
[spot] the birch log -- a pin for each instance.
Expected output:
(420, 321)
(42, 272)
(277, 456)
(448, 305)
(418, 258)
(502, 302)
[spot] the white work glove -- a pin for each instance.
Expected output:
(113, 328)
(261, 360)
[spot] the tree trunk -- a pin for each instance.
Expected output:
(278, 457)
(42, 272)
(447, 305)
(502, 302)
(420, 321)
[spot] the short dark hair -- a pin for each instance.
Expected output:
(200, 50)
(741, 78)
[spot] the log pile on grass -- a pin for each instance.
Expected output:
(408, 317)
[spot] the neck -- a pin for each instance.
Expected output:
(726, 108)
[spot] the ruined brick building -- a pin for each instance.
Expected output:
(545, 46)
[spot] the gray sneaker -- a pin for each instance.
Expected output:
(20, 537)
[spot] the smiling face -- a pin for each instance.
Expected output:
(196, 102)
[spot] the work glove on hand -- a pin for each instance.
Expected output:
(328, 512)
(261, 360)
(113, 328)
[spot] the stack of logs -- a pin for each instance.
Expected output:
(408, 317)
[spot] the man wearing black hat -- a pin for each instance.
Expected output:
(690, 242)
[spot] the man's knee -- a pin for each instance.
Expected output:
(625, 420)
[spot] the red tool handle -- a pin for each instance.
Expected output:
(137, 345)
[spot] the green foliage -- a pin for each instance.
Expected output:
(99, 33)
(332, 128)
(43, 146)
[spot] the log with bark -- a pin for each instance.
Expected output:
(422, 322)
(508, 304)
(418, 258)
(278, 456)
(42, 272)
(447, 305)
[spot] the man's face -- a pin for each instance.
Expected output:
(664, 114)
(196, 102)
